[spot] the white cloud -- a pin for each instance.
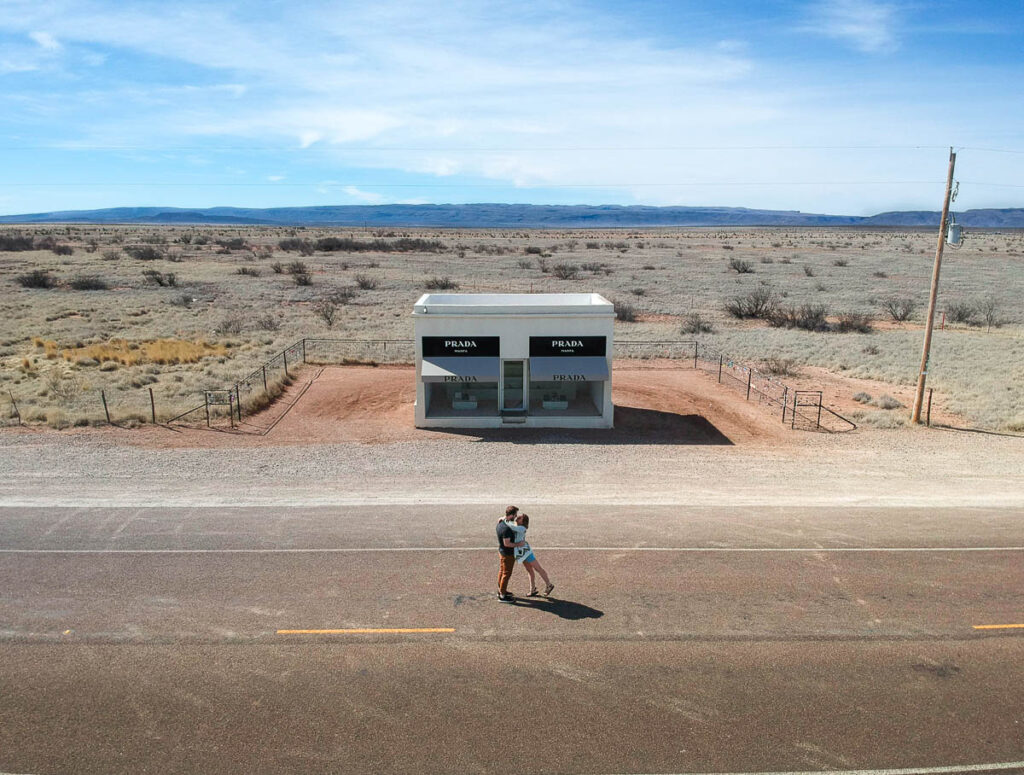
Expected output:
(867, 25)
(275, 178)
(368, 197)
(12, 66)
(529, 94)
(45, 41)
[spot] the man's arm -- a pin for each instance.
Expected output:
(510, 545)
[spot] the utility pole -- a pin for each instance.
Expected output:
(915, 417)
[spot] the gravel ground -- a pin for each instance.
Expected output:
(915, 467)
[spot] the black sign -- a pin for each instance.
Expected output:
(553, 346)
(461, 346)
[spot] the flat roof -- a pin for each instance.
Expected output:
(513, 304)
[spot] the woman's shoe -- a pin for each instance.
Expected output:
(533, 592)
(548, 588)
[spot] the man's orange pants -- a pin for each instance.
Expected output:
(505, 573)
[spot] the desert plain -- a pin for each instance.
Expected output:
(311, 589)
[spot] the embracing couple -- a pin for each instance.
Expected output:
(512, 547)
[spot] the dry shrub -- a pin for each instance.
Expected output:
(780, 367)
(961, 312)
(808, 317)
(89, 283)
(63, 386)
(900, 308)
(696, 324)
(441, 284)
(144, 252)
(327, 311)
(887, 402)
(762, 302)
(740, 266)
(37, 278)
(624, 311)
(854, 322)
(565, 271)
(367, 282)
(57, 419)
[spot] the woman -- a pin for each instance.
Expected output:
(525, 555)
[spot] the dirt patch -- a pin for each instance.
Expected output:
(375, 405)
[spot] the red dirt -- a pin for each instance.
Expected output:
(374, 405)
(656, 402)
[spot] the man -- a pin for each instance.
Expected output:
(507, 553)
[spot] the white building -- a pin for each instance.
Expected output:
(534, 360)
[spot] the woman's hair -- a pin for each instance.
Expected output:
(511, 510)
(526, 520)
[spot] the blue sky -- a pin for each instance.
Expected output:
(837, 106)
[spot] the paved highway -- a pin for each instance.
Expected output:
(368, 639)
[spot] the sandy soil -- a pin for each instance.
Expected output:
(656, 402)
(344, 435)
(374, 405)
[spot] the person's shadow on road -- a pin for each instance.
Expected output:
(564, 609)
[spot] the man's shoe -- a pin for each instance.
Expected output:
(506, 598)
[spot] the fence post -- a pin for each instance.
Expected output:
(785, 399)
(720, 368)
(284, 354)
(303, 349)
(265, 379)
(15, 405)
(929, 421)
(231, 409)
(750, 376)
(694, 355)
(105, 410)
(206, 401)
(238, 402)
(152, 405)
(819, 410)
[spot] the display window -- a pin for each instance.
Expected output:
(462, 399)
(568, 399)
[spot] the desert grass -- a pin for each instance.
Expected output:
(127, 353)
(683, 272)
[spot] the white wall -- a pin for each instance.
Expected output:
(515, 332)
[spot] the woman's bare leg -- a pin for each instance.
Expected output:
(533, 580)
(531, 566)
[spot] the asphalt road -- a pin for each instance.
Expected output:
(677, 641)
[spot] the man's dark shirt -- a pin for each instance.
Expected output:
(504, 531)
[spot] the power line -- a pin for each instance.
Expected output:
(332, 184)
(469, 149)
(992, 150)
(334, 148)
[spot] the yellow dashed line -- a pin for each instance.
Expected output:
(365, 630)
(999, 626)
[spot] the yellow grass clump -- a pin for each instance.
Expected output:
(163, 351)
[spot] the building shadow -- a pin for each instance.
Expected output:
(563, 609)
(633, 425)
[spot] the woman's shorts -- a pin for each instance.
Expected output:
(528, 558)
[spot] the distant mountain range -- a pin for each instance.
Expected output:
(512, 216)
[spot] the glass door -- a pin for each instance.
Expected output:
(513, 386)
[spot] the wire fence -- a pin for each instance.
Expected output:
(360, 351)
(799, 409)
